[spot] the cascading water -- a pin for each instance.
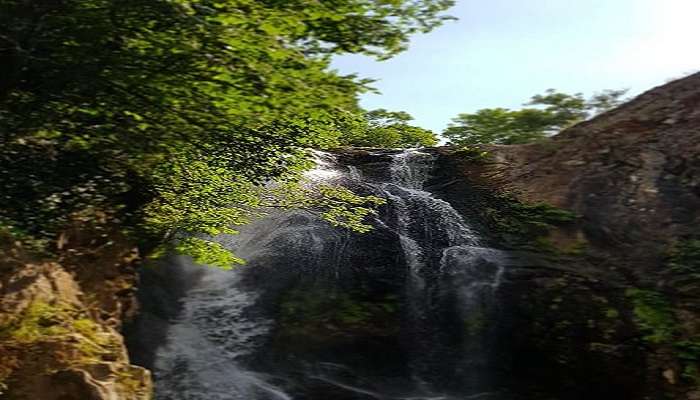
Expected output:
(440, 249)
(319, 313)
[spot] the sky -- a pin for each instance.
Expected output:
(501, 52)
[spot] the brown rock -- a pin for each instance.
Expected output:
(55, 346)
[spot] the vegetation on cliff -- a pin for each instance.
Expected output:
(553, 112)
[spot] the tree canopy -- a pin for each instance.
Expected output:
(165, 116)
(552, 112)
(391, 129)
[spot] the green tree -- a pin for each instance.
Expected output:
(498, 125)
(606, 100)
(564, 109)
(389, 129)
(163, 117)
(555, 111)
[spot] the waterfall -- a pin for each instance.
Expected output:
(439, 246)
(319, 313)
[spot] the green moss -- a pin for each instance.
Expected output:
(577, 248)
(691, 372)
(42, 321)
(95, 342)
(684, 258)
(530, 219)
(74, 339)
(12, 236)
(653, 315)
(474, 323)
(551, 145)
(319, 313)
(689, 352)
(130, 383)
(472, 154)
(529, 225)
(545, 244)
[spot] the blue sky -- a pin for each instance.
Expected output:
(501, 52)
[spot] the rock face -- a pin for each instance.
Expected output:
(610, 299)
(59, 322)
(632, 173)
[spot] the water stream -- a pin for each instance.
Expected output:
(319, 313)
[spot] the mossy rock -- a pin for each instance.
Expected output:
(324, 316)
(53, 340)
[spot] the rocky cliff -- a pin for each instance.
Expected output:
(60, 321)
(608, 213)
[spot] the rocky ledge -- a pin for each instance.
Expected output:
(60, 322)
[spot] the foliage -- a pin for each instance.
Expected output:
(497, 125)
(390, 129)
(503, 126)
(207, 252)
(162, 114)
(337, 205)
(606, 100)
(343, 208)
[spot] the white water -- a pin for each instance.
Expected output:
(423, 219)
(199, 360)
(222, 324)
